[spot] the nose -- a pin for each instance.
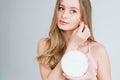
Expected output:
(65, 14)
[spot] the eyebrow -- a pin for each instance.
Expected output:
(70, 7)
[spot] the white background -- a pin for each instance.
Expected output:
(24, 22)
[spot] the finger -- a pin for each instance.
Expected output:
(81, 27)
(80, 30)
(71, 78)
(66, 76)
(86, 32)
(84, 77)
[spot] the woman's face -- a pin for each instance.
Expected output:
(68, 15)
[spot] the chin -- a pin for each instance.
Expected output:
(66, 28)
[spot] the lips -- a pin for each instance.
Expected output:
(63, 22)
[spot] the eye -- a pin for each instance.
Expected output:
(73, 11)
(60, 8)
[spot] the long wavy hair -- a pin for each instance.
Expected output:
(56, 44)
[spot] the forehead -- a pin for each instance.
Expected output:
(70, 3)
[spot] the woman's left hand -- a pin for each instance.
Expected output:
(89, 75)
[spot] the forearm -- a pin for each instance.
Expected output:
(56, 73)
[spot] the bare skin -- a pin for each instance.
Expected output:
(76, 37)
(98, 52)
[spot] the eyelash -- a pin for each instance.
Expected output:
(73, 11)
(60, 8)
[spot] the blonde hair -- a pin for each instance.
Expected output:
(56, 44)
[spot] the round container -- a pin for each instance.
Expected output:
(74, 63)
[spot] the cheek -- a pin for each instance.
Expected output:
(59, 15)
(75, 21)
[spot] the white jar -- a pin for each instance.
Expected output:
(74, 63)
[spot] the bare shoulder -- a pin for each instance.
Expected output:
(98, 50)
(100, 54)
(42, 44)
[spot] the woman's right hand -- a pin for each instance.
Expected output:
(79, 35)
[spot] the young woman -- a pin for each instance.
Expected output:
(71, 29)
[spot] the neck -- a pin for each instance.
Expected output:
(67, 35)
